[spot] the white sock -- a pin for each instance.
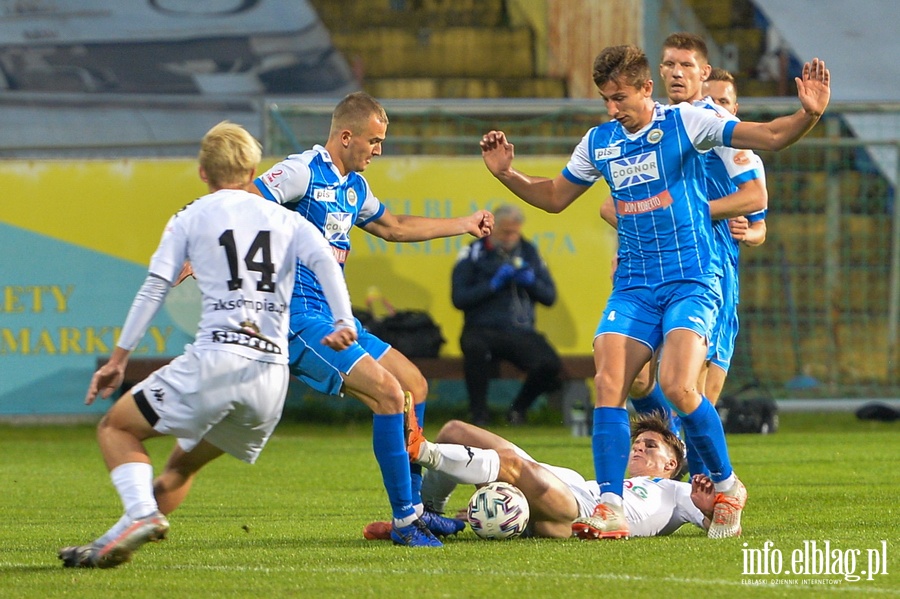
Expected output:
(134, 482)
(436, 490)
(463, 463)
(724, 485)
(400, 523)
(611, 499)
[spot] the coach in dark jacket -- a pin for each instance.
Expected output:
(496, 283)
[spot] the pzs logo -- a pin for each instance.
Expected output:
(607, 153)
(634, 170)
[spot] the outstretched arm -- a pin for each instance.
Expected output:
(814, 92)
(406, 228)
(551, 195)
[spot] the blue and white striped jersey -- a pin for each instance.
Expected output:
(726, 169)
(311, 185)
(657, 179)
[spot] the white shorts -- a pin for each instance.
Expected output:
(228, 400)
(586, 493)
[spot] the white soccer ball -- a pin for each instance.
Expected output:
(498, 511)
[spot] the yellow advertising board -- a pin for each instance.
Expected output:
(77, 236)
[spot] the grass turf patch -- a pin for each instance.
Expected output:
(292, 524)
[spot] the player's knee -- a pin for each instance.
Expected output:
(677, 392)
(451, 431)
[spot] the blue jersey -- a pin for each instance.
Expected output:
(310, 184)
(726, 170)
(657, 181)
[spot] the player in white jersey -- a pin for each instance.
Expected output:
(666, 290)
(326, 186)
(226, 392)
(654, 504)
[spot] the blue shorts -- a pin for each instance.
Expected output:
(318, 365)
(648, 314)
(724, 334)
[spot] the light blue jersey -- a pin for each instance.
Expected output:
(726, 170)
(310, 184)
(657, 180)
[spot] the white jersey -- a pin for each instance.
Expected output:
(653, 506)
(244, 252)
(658, 506)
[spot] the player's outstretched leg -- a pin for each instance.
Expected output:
(607, 522)
(726, 520)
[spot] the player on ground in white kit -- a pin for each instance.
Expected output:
(666, 290)
(654, 504)
(226, 392)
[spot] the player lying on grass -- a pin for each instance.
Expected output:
(654, 503)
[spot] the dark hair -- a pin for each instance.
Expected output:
(625, 64)
(658, 422)
(687, 41)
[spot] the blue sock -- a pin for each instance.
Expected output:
(611, 442)
(656, 401)
(695, 462)
(703, 428)
(415, 470)
(390, 453)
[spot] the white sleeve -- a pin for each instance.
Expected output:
(317, 255)
(685, 510)
(146, 304)
(168, 259)
(580, 165)
(704, 126)
(287, 180)
(371, 206)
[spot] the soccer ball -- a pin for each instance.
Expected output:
(498, 511)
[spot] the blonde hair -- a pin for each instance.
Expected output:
(229, 155)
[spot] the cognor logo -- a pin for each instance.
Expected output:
(634, 170)
(337, 226)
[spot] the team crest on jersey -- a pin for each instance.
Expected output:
(351, 196)
(607, 153)
(634, 170)
(325, 195)
(337, 226)
(654, 135)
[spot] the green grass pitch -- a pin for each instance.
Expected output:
(291, 526)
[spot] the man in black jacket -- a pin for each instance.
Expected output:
(496, 283)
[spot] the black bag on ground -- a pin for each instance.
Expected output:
(749, 410)
(411, 332)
